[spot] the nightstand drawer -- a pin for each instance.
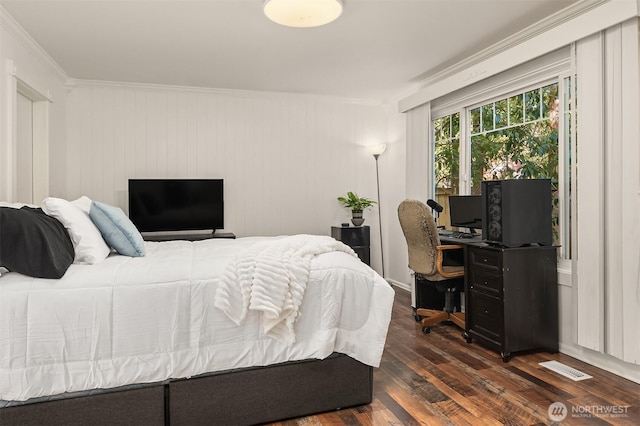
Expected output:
(353, 236)
(356, 237)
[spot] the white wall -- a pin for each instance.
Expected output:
(284, 158)
(393, 191)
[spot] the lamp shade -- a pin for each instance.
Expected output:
(303, 13)
(378, 149)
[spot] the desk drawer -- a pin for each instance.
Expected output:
(485, 280)
(485, 258)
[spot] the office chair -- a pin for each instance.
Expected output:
(426, 260)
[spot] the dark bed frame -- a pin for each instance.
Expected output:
(239, 397)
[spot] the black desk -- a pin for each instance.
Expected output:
(511, 296)
(448, 239)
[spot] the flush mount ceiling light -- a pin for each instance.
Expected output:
(303, 13)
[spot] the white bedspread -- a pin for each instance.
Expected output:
(141, 320)
(271, 277)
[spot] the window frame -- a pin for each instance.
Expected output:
(566, 171)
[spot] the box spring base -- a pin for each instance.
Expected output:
(239, 397)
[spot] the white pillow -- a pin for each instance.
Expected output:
(87, 241)
(83, 203)
(16, 205)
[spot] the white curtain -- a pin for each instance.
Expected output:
(606, 278)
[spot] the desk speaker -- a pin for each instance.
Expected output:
(517, 212)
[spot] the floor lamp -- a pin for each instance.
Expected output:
(377, 151)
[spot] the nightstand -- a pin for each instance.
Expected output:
(356, 237)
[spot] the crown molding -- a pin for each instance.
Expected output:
(539, 69)
(81, 83)
(8, 23)
(560, 17)
(561, 29)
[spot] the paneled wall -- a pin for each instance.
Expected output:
(284, 158)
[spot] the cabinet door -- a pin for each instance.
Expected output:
(485, 318)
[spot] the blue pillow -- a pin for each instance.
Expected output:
(117, 229)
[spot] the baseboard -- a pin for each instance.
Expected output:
(399, 284)
(605, 362)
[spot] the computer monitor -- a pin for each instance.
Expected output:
(465, 211)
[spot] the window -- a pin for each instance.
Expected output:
(447, 153)
(519, 136)
(515, 137)
(446, 136)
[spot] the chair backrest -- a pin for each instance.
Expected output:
(421, 233)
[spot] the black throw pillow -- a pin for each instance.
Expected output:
(33, 243)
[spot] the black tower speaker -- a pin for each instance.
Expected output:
(517, 212)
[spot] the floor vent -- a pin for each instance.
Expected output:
(565, 370)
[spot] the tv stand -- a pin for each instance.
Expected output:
(189, 237)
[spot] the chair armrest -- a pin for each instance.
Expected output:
(439, 258)
(449, 247)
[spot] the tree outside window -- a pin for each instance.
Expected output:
(516, 138)
(446, 160)
(447, 152)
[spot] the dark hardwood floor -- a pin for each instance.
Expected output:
(439, 379)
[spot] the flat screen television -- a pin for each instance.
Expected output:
(465, 211)
(176, 204)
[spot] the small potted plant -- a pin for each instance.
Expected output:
(357, 205)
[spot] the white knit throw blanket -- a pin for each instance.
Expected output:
(271, 277)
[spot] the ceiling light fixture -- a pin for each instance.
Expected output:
(303, 13)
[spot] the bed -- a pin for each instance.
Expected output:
(145, 340)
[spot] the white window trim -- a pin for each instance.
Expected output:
(550, 69)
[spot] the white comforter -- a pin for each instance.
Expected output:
(140, 320)
(271, 277)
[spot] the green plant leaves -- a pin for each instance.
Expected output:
(355, 202)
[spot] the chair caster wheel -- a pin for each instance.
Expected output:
(506, 356)
(426, 330)
(418, 318)
(466, 337)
